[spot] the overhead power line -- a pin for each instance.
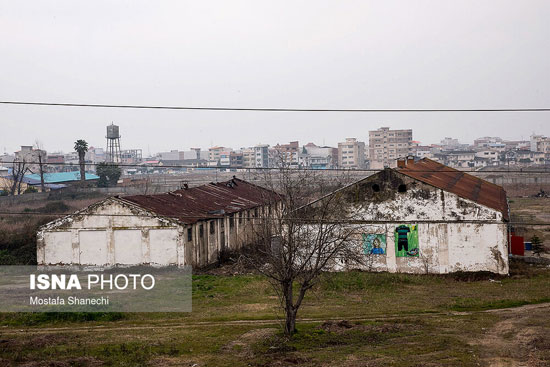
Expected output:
(273, 109)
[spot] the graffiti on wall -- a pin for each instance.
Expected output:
(374, 244)
(406, 240)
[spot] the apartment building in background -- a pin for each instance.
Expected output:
(261, 155)
(31, 156)
(386, 145)
(351, 154)
(287, 155)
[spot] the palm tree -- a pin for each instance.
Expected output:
(81, 146)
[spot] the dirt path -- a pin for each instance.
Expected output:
(521, 310)
(517, 341)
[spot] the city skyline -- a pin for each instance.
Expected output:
(350, 54)
(97, 142)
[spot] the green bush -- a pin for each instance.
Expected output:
(30, 190)
(6, 258)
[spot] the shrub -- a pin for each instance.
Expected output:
(538, 247)
(30, 190)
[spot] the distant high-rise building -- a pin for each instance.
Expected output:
(131, 156)
(214, 154)
(351, 154)
(261, 155)
(486, 142)
(319, 157)
(287, 155)
(540, 143)
(236, 158)
(450, 143)
(173, 155)
(386, 145)
(249, 157)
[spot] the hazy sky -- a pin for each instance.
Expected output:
(296, 54)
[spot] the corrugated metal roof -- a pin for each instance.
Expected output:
(58, 177)
(459, 183)
(207, 201)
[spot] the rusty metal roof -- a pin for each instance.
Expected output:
(458, 182)
(207, 201)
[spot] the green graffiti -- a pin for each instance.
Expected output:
(406, 240)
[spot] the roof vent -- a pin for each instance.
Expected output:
(405, 161)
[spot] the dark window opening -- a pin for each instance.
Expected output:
(248, 216)
(241, 218)
(231, 221)
(376, 188)
(211, 227)
(189, 234)
(255, 212)
(402, 188)
(201, 231)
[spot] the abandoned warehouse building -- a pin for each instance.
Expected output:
(421, 217)
(424, 217)
(191, 226)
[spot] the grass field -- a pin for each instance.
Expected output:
(349, 319)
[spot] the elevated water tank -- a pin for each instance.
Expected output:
(112, 132)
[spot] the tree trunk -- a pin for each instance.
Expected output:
(290, 321)
(290, 310)
(20, 182)
(82, 167)
(42, 186)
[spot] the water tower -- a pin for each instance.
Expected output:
(113, 144)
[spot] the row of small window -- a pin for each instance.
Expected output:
(231, 224)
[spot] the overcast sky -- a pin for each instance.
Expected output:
(296, 54)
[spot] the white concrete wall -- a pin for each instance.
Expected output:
(444, 248)
(93, 247)
(479, 243)
(114, 233)
(111, 233)
(128, 246)
(59, 248)
(163, 244)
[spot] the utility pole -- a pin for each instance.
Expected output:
(42, 186)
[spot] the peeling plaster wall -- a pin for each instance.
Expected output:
(110, 233)
(445, 244)
(114, 233)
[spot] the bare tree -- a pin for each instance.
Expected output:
(17, 173)
(306, 230)
(41, 156)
